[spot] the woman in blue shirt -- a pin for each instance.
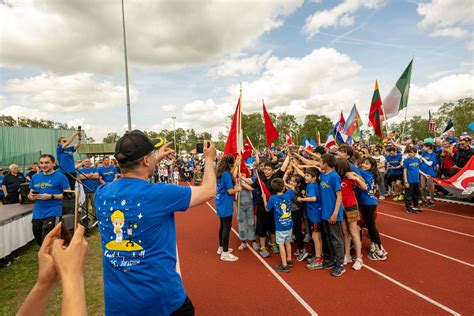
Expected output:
(225, 204)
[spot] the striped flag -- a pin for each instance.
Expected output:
(431, 123)
(397, 99)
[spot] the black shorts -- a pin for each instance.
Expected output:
(265, 221)
(393, 177)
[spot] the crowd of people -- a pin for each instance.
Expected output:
(322, 198)
(299, 203)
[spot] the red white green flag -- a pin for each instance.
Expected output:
(397, 99)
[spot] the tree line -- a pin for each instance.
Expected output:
(461, 113)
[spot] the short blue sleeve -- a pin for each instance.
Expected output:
(405, 164)
(270, 204)
(310, 190)
(71, 148)
(63, 182)
(290, 194)
(227, 180)
(336, 182)
(174, 197)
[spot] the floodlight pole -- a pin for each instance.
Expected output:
(129, 116)
(174, 132)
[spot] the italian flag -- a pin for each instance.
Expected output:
(397, 99)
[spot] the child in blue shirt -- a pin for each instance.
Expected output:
(313, 212)
(395, 173)
(280, 204)
(411, 179)
(429, 165)
(225, 204)
(332, 214)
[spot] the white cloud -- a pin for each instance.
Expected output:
(168, 108)
(248, 65)
(434, 94)
(291, 79)
(80, 92)
(20, 111)
(71, 36)
(470, 46)
(340, 15)
(445, 12)
(455, 32)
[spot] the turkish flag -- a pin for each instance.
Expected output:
(270, 130)
(235, 134)
(248, 149)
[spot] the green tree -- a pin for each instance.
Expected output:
(286, 122)
(111, 138)
(254, 129)
(312, 124)
(461, 113)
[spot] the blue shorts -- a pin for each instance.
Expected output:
(283, 236)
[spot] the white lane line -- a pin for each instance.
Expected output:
(432, 210)
(178, 266)
(427, 250)
(409, 289)
(424, 224)
(275, 274)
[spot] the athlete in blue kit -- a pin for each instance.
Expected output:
(136, 222)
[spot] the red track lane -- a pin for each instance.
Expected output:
(229, 282)
(215, 287)
(443, 280)
(447, 243)
(455, 223)
(451, 208)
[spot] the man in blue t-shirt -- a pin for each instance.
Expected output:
(137, 226)
(90, 179)
(332, 214)
(107, 172)
(47, 191)
(1, 191)
(65, 155)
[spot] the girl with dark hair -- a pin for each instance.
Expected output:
(225, 204)
(368, 204)
(349, 181)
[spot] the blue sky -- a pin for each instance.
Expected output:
(62, 61)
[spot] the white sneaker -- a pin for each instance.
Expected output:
(358, 264)
(372, 247)
(242, 246)
(227, 256)
(347, 259)
(220, 250)
(307, 238)
(381, 197)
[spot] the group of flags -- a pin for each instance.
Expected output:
(344, 131)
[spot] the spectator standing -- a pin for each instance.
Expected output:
(2, 195)
(47, 191)
(32, 170)
(11, 185)
(107, 172)
(381, 161)
(65, 155)
(463, 152)
(90, 178)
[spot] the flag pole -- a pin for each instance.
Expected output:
(239, 145)
(404, 123)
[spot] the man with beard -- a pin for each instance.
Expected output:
(47, 190)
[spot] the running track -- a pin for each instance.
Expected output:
(429, 270)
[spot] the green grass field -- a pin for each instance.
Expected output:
(18, 279)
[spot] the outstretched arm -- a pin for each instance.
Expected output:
(207, 190)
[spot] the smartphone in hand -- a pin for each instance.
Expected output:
(199, 148)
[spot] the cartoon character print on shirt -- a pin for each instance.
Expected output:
(118, 221)
(371, 189)
(285, 213)
(121, 222)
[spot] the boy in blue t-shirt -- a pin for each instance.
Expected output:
(313, 212)
(429, 165)
(411, 179)
(280, 204)
(332, 214)
(395, 173)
